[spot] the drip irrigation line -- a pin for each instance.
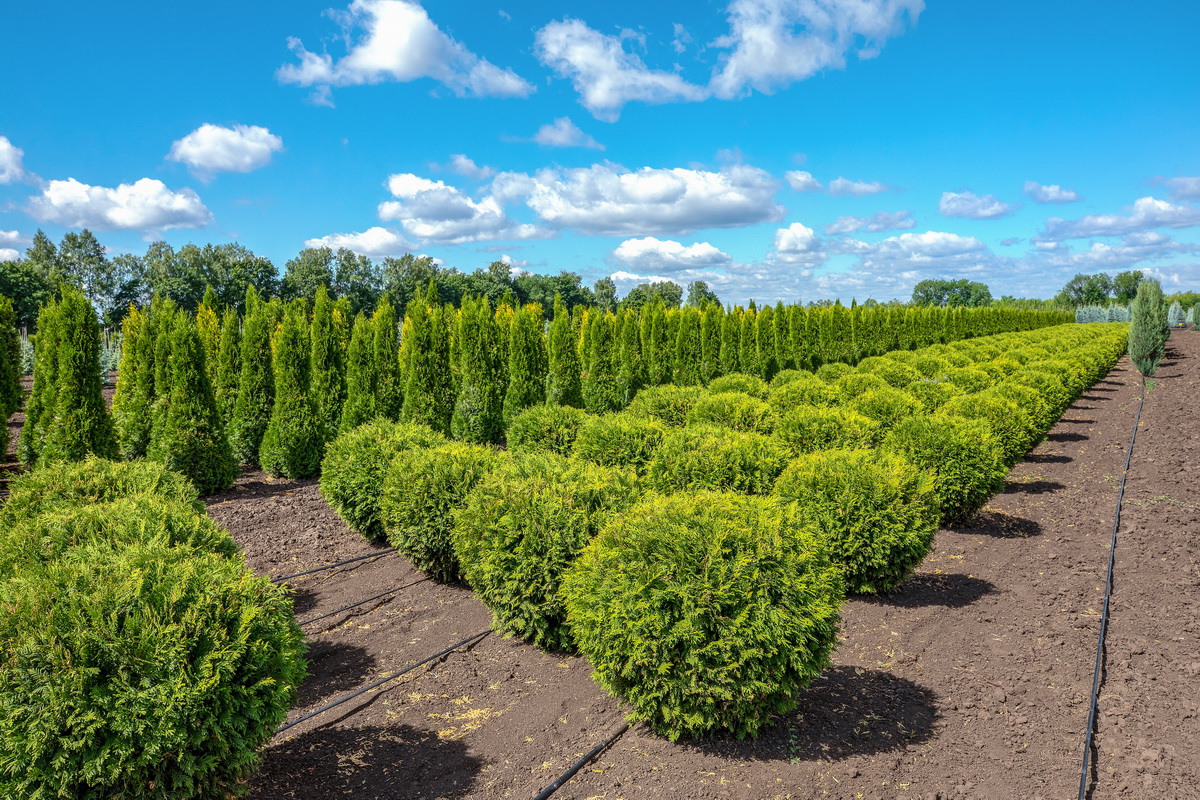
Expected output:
(1084, 780)
(361, 602)
(331, 566)
(578, 765)
(381, 681)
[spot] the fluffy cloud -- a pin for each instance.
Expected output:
(12, 168)
(1131, 250)
(145, 205)
(467, 168)
(840, 187)
(915, 249)
(649, 253)
(564, 133)
(1146, 214)
(399, 42)
(802, 181)
(777, 42)
(605, 75)
(14, 239)
(1181, 188)
(609, 200)
(211, 148)
(431, 211)
(1050, 194)
(797, 245)
(880, 221)
(972, 206)
(374, 242)
(9, 254)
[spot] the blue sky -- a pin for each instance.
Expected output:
(794, 149)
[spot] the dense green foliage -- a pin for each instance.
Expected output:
(545, 429)
(739, 382)
(527, 365)
(670, 405)
(425, 354)
(808, 429)
(256, 383)
(327, 365)
(478, 407)
(563, 383)
(10, 360)
(295, 437)
(616, 440)
(1148, 331)
(734, 410)
(359, 407)
(718, 459)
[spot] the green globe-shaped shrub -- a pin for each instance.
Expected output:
(356, 463)
(668, 403)
(786, 376)
(740, 382)
(145, 671)
(831, 372)
(887, 406)
(734, 410)
(932, 366)
(545, 429)
(1048, 385)
(1030, 401)
(808, 390)
(876, 509)
(522, 526)
(705, 611)
(969, 379)
(1012, 427)
(933, 394)
(853, 384)
(619, 440)
(423, 487)
(896, 374)
(718, 459)
(807, 429)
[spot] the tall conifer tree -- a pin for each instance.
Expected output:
(527, 366)
(132, 398)
(630, 372)
(731, 351)
(295, 437)
(389, 392)
(767, 359)
(229, 366)
(359, 407)
(256, 383)
(687, 354)
(478, 405)
(563, 385)
(328, 370)
(428, 391)
(600, 392)
(711, 317)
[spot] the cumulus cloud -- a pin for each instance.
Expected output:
(14, 239)
(1147, 213)
(211, 148)
(802, 181)
(1050, 194)
(879, 221)
(9, 254)
(649, 253)
(564, 133)
(1133, 249)
(971, 206)
(12, 167)
(775, 43)
(145, 205)
(609, 200)
(840, 187)
(604, 73)
(431, 211)
(797, 245)
(1182, 188)
(467, 168)
(913, 250)
(395, 40)
(374, 242)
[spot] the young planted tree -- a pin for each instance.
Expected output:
(563, 385)
(10, 359)
(478, 405)
(208, 325)
(40, 407)
(764, 342)
(428, 391)
(389, 390)
(360, 378)
(1148, 329)
(710, 342)
(730, 352)
(656, 358)
(748, 342)
(328, 369)
(256, 384)
(630, 370)
(295, 437)
(600, 391)
(229, 366)
(687, 351)
(135, 386)
(526, 362)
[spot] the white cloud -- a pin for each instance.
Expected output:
(12, 168)
(8, 254)
(797, 245)
(14, 239)
(609, 200)
(778, 42)
(971, 206)
(1050, 194)
(802, 181)
(914, 249)
(841, 186)
(145, 205)
(682, 38)
(1131, 250)
(211, 148)
(398, 42)
(564, 133)
(879, 221)
(627, 280)
(1146, 214)
(374, 242)
(1182, 188)
(431, 211)
(466, 167)
(649, 253)
(605, 75)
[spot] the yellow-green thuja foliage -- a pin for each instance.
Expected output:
(710, 342)
(208, 325)
(135, 385)
(783, 351)
(428, 391)
(192, 441)
(478, 405)
(163, 311)
(229, 366)
(10, 359)
(360, 377)
(45, 369)
(766, 356)
(563, 382)
(78, 423)
(527, 367)
(729, 356)
(631, 374)
(328, 366)
(256, 384)
(600, 391)
(656, 352)
(504, 318)
(295, 437)
(389, 382)
(748, 342)
(688, 348)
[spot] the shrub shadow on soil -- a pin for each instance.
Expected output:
(1031, 487)
(333, 668)
(365, 763)
(1051, 458)
(1066, 437)
(304, 600)
(991, 522)
(934, 589)
(847, 711)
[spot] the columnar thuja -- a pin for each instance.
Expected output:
(360, 377)
(428, 392)
(563, 385)
(600, 393)
(526, 362)
(295, 437)
(389, 388)
(328, 380)
(256, 384)
(478, 404)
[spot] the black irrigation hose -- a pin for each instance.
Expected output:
(383, 552)
(361, 602)
(578, 765)
(381, 681)
(1112, 556)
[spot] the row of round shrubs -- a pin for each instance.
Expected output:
(696, 557)
(141, 657)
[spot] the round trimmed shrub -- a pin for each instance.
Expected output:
(807, 429)
(932, 366)
(1029, 401)
(786, 376)
(733, 410)
(545, 429)
(886, 406)
(619, 440)
(896, 374)
(356, 463)
(964, 458)
(1011, 426)
(933, 394)
(852, 385)
(831, 372)
(969, 379)
(1048, 386)
(91, 481)
(706, 611)
(422, 489)
(802, 391)
(876, 509)
(668, 403)
(522, 526)
(740, 382)
(719, 459)
(149, 671)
